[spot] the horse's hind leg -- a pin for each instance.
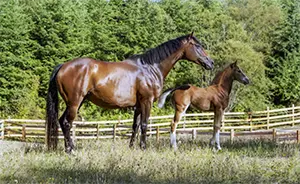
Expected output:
(135, 125)
(145, 114)
(66, 121)
(179, 112)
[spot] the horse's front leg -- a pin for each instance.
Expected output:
(179, 111)
(145, 114)
(218, 113)
(135, 126)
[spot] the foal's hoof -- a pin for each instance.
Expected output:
(174, 147)
(216, 149)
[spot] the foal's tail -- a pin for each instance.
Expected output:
(163, 96)
(52, 111)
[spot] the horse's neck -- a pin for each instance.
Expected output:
(226, 81)
(167, 64)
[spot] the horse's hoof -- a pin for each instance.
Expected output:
(143, 147)
(131, 146)
(70, 151)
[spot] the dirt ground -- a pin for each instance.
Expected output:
(7, 146)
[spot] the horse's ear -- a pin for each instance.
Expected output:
(233, 64)
(191, 35)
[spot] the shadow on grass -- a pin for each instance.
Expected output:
(249, 147)
(113, 175)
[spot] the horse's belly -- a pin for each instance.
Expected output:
(113, 99)
(204, 105)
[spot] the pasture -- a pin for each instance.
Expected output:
(108, 161)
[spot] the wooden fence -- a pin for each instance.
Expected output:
(234, 124)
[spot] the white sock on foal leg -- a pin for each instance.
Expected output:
(218, 140)
(173, 139)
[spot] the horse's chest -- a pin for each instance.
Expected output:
(150, 87)
(221, 101)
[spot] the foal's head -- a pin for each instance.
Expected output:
(195, 52)
(238, 74)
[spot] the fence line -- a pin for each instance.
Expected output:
(234, 124)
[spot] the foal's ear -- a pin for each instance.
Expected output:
(191, 35)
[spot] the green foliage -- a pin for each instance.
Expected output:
(37, 35)
(285, 59)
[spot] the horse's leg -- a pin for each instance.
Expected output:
(135, 125)
(63, 121)
(217, 125)
(179, 112)
(66, 121)
(145, 114)
(78, 113)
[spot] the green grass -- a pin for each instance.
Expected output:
(251, 161)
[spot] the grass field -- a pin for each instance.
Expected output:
(247, 161)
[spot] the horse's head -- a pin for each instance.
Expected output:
(195, 52)
(238, 74)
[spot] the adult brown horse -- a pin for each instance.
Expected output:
(215, 97)
(135, 82)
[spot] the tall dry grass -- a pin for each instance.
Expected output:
(249, 161)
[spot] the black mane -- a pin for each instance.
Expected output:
(161, 52)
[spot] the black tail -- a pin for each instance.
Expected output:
(163, 96)
(52, 112)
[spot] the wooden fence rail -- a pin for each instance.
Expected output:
(234, 124)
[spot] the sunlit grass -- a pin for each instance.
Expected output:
(105, 161)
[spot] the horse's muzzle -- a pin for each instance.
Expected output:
(246, 81)
(207, 63)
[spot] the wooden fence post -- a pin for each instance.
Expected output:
(250, 120)
(97, 131)
(119, 123)
(9, 123)
(274, 135)
(268, 118)
(293, 117)
(2, 127)
(298, 136)
(231, 135)
(184, 121)
(24, 133)
(157, 134)
(114, 131)
(223, 123)
(150, 127)
(74, 132)
(194, 134)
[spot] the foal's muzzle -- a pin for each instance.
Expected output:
(246, 80)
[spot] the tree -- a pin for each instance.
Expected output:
(284, 61)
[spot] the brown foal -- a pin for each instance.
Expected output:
(215, 98)
(135, 82)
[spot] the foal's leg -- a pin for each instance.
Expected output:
(217, 125)
(179, 112)
(66, 121)
(145, 114)
(135, 125)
